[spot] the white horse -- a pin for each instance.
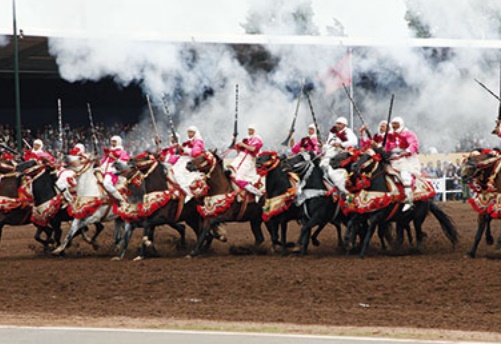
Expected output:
(91, 204)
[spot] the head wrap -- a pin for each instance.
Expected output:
(119, 141)
(38, 142)
(342, 120)
(312, 126)
(401, 123)
(194, 129)
(80, 147)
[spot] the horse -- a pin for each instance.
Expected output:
(380, 200)
(159, 203)
(91, 205)
(225, 201)
(479, 171)
(49, 208)
(315, 199)
(279, 207)
(16, 202)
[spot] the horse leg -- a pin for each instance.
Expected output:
(99, 228)
(257, 231)
(489, 239)
(373, 222)
(481, 223)
(48, 235)
(75, 226)
(181, 229)
(129, 228)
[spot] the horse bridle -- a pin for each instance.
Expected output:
(268, 165)
(209, 159)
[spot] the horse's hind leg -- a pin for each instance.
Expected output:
(257, 231)
(75, 226)
(181, 229)
(489, 239)
(48, 236)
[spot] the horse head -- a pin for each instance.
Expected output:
(267, 161)
(205, 162)
(344, 159)
(300, 162)
(77, 162)
(476, 163)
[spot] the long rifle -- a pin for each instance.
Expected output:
(488, 90)
(357, 110)
(169, 118)
(293, 125)
(60, 123)
(94, 139)
(314, 118)
(388, 121)
(152, 115)
(7, 148)
(235, 123)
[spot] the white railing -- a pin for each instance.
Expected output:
(440, 186)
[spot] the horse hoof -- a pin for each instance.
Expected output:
(138, 258)
(470, 255)
(146, 241)
(489, 240)
(58, 251)
(315, 242)
(95, 247)
(116, 258)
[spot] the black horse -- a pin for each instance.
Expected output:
(315, 205)
(50, 207)
(279, 207)
(370, 169)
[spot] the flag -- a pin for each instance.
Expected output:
(340, 74)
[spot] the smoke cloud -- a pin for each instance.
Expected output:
(434, 88)
(3, 41)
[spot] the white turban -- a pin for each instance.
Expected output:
(252, 126)
(118, 139)
(38, 142)
(312, 126)
(195, 130)
(401, 123)
(342, 120)
(80, 147)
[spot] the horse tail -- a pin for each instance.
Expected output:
(446, 223)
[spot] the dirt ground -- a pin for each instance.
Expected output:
(325, 292)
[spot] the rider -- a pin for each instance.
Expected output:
(195, 145)
(177, 155)
(307, 143)
(404, 147)
(243, 167)
(115, 152)
(40, 153)
(340, 138)
(377, 139)
(66, 177)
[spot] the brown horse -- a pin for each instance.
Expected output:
(162, 203)
(225, 201)
(480, 171)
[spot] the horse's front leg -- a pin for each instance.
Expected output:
(481, 224)
(129, 228)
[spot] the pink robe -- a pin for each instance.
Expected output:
(107, 161)
(307, 143)
(405, 140)
(193, 147)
